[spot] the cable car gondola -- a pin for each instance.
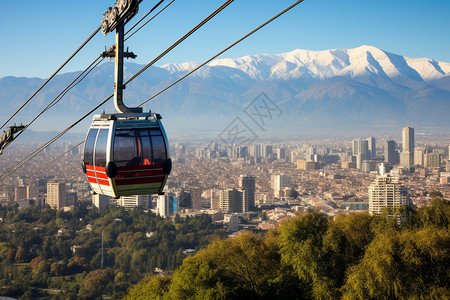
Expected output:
(126, 154)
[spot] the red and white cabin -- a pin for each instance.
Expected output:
(126, 154)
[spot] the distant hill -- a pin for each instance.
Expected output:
(364, 88)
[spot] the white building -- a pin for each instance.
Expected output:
(56, 193)
(133, 201)
(407, 155)
(386, 191)
(279, 182)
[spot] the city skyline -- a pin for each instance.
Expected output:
(283, 169)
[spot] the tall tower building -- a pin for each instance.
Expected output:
(432, 160)
(233, 201)
(56, 193)
(407, 155)
(20, 193)
(386, 191)
(247, 183)
(279, 182)
(372, 147)
(281, 153)
(390, 154)
(215, 199)
(101, 201)
(32, 192)
(361, 147)
(255, 151)
(267, 151)
(419, 156)
(196, 196)
(167, 204)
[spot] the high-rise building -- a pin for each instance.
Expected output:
(56, 193)
(215, 199)
(101, 201)
(32, 192)
(386, 191)
(267, 151)
(71, 198)
(196, 197)
(255, 151)
(248, 183)
(281, 153)
(372, 147)
(279, 182)
(307, 165)
(407, 155)
(432, 160)
(361, 147)
(390, 154)
(184, 200)
(233, 201)
(167, 204)
(419, 156)
(20, 193)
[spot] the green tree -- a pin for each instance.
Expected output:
(151, 287)
(402, 265)
(301, 248)
(95, 283)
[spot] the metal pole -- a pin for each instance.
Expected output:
(118, 74)
(102, 251)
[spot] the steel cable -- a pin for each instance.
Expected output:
(53, 75)
(51, 141)
(224, 50)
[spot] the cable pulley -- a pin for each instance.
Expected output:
(123, 9)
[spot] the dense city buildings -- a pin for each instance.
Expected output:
(274, 178)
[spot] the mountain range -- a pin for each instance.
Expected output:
(360, 89)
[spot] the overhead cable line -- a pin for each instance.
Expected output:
(223, 51)
(72, 85)
(51, 141)
(218, 10)
(58, 98)
(53, 75)
(150, 11)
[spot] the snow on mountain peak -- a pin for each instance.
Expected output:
(183, 67)
(361, 61)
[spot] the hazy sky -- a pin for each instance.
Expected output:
(37, 36)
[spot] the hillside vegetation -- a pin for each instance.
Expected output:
(355, 256)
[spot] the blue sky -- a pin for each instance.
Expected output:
(37, 36)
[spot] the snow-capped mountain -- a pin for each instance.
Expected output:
(361, 61)
(364, 87)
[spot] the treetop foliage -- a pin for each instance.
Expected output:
(311, 256)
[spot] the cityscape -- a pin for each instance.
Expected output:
(226, 150)
(237, 184)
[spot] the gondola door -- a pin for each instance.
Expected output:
(96, 153)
